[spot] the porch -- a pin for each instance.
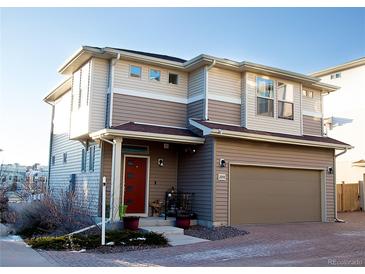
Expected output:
(141, 164)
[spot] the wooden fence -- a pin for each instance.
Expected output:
(348, 197)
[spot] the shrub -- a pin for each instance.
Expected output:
(52, 216)
(76, 242)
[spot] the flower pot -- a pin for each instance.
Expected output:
(131, 223)
(183, 222)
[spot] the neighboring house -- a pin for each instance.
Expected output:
(246, 139)
(345, 113)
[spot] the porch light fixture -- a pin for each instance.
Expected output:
(222, 163)
(160, 162)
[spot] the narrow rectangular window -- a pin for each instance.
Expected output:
(265, 97)
(83, 160)
(53, 160)
(65, 158)
(155, 75)
(76, 93)
(173, 78)
(91, 158)
(135, 71)
(285, 101)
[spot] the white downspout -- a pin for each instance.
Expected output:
(206, 70)
(335, 192)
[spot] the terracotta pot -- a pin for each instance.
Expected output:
(183, 222)
(131, 223)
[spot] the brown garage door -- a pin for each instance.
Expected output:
(274, 195)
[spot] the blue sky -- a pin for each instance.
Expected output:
(35, 42)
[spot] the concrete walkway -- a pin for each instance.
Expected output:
(14, 252)
(174, 235)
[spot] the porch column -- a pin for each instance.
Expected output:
(117, 177)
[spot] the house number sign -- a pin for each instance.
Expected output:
(222, 177)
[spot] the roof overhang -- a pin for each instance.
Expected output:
(346, 66)
(264, 138)
(112, 133)
(86, 52)
(58, 91)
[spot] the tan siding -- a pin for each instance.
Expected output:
(243, 99)
(312, 125)
(239, 151)
(272, 124)
(122, 80)
(98, 91)
(138, 109)
(196, 84)
(223, 82)
(312, 104)
(195, 174)
(224, 112)
(196, 109)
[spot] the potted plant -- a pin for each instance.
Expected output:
(183, 219)
(129, 222)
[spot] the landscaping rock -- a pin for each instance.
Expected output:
(4, 230)
(215, 233)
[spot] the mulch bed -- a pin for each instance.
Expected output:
(215, 233)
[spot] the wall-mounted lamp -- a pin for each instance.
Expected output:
(160, 162)
(222, 163)
(330, 170)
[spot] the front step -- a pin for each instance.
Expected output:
(156, 221)
(165, 230)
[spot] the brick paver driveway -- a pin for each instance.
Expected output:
(304, 244)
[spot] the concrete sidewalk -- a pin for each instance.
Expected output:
(14, 252)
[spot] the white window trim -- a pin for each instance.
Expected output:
(130, 72)
(284, 101)
(269, 98)
(149, 75)
(177, 79)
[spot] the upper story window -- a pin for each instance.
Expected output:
(308, 93)
(155, 75)
(83, 160)
(173, 78)
(336, 75)
(135, 71)
(91, 158)
(285, 101)
(53, 160)
(265, 97)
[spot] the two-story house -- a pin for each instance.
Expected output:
(345, 113)
(246, 139)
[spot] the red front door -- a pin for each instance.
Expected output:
(135, 184)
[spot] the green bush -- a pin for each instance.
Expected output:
(76, 242)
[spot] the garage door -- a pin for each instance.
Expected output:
(274, 195)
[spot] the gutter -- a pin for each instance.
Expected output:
(337, 220)
(258, 137)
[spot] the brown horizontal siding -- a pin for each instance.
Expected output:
(223, 112)
(195, 174)
(196, 109)
(260, 153)
(128, 108)
(312, 125)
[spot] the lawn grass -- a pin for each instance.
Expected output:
(118, 237)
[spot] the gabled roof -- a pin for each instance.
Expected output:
(224, 130)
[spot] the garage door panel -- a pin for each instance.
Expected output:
(274, 195)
